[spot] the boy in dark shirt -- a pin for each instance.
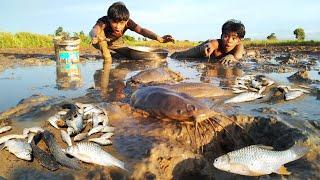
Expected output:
(228, 49)
(108, 31)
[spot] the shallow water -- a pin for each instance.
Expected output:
(134, 137)
(22, 82)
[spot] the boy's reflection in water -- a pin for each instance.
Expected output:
(226, 73)
(111, 90)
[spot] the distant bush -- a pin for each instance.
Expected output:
(272, 36)
(299, 33)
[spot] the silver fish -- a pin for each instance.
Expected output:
(292, 95)
(101, 141)
(244, 97)
(106, 129)
(19, 148)
(257, 160)
(97, 119)
(3, 139)
(5, 129)
(53, 120)
(76, 123)
(92, 153)
(71, 131)
(35, 130)
(80, 137)
(107, 135)
(30, 137)
(95, 130)
(66, 138)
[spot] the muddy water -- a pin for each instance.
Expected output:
(155, 149)
(22, 82)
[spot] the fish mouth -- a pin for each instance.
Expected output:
(200, 117)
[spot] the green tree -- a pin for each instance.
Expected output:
(299, 33)
(58, 31)
(272, 36)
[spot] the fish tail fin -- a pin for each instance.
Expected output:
(299, 150)
(283, 171)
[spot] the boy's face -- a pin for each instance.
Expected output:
(230, 40)
(118, 26)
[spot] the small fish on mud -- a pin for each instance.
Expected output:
(5, 129)
(107, 135)
(19, 148)
(80, 137)
(53, 121)
(92, 153)
(257, 160)
(101, 141)
(107, 129)
(32, 130)
(292, 95)
(244, 97)
(66, 138)
(95, 130)
(3, 139)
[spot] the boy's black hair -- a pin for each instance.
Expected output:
(118, 12)
(233, 25)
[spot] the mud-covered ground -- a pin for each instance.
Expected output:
(157, 149)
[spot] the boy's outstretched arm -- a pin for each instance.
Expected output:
(238, 51)
(151, 35)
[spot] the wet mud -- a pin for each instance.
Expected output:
(155, 148)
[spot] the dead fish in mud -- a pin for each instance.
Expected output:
(80, 137)
(46, 159)
(76, 123)
(92, 153)
(95, 130)
(163, 103)
(5, 129)
(3, 139)
(101, 141)
(35, 130)
(244, 97)
(66, 138)
(257, 160)
(107, 135)
(53, 121)
(292, 95)
(19, 148)
(198, 89)
(57, 152)
(156, 75)
(107, 129)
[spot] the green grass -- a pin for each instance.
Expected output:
(32, 40)
(281, 43)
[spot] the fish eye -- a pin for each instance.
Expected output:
(179, 111)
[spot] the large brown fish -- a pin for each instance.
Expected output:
(164, 103)
(199, 90)
(156, 75)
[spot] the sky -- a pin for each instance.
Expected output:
(195, 20)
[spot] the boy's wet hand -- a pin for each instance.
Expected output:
(229, 59)
(208, 50)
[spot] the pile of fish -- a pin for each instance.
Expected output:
(292, 93)
(249, 88)
(75, 120)
(252, 87)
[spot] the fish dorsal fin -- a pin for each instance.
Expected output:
(264, 146)
(283, 171)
